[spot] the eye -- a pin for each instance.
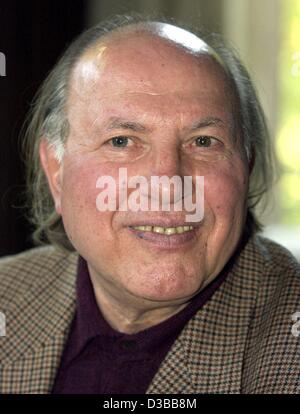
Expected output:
(204, 141)
(119, 142)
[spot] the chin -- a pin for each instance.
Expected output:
(168, 287)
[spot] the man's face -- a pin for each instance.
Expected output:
(159, 97)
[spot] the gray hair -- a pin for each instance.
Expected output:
(48, 119)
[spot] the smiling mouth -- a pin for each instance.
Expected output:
(169, 231)
(169, 238)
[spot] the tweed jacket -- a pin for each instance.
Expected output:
(241, 341)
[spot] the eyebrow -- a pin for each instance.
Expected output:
(208, 121)
(117, 123)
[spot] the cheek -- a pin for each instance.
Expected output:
(79, 189)
(79, 194)
(80, 179)
(225, 191)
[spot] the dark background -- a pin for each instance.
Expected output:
(32, 36)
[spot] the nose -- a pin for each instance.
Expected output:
(166, 161)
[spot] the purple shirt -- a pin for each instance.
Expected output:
(100, 360)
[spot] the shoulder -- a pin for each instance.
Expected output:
(278, 275)
(30, 269)
(275, 263)
(275, 254)
(281, 268)
(272, 353)
(266, 269)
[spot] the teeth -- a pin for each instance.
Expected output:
(157, 229)
(164, 230)
(170, 230)
(180, 229)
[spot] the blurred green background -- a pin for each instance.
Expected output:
(288, 132)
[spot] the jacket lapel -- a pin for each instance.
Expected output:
(208, 355)
(36, 330)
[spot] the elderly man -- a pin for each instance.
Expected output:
(132, 300)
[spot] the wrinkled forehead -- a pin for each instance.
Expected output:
(158, 75)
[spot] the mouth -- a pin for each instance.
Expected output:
(164, 230)
(166, 237)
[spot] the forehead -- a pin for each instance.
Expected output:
(147, 73)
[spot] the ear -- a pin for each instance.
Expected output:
(53, 170)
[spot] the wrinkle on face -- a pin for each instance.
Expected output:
(111, 90)
(119, 99)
